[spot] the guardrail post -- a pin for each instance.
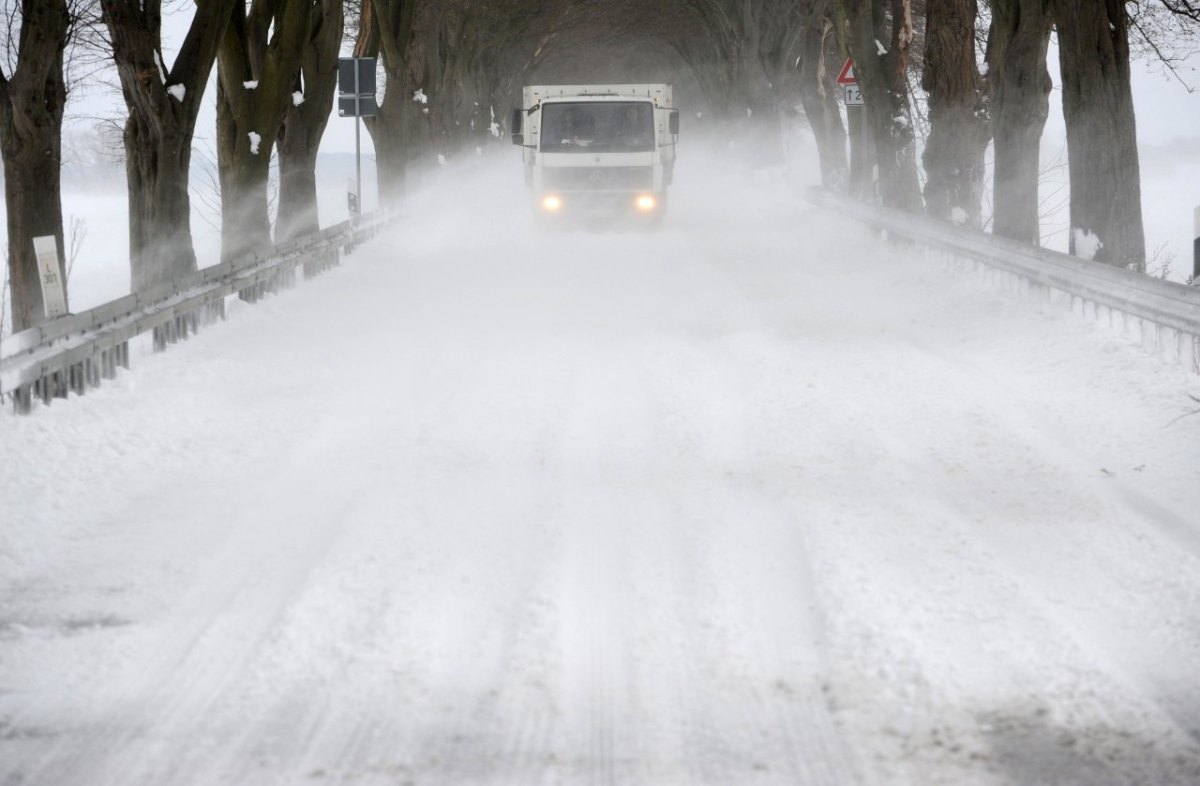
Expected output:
(23, 400)
(46, 388)
(1196, 246)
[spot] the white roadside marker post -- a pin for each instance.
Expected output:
(54, 298)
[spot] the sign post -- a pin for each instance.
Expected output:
(356, 98)
(54, 298)
(856, 120)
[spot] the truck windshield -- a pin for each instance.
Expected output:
(598, 126)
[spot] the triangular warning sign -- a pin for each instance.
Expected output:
(847, 76)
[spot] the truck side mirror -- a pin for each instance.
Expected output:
(518, 137)
(673, 122)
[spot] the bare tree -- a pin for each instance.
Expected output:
(1093, 42)
(163, 104)
(257, 66)
(1169, 37)
(745, 54)
(445, 60)
(32, 97)
(446, 63)
(958, 112)
(1186, 8)
(385, 31)
(817, 63)
(882, 72)
(305, 120)
(1019, 84)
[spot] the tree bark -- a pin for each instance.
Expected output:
(31, 114)
(1106, 197)
(958, 113)
(258, 64)
(818, 96)
(304, 124)
(160, 235)
(386, 31)
(33, 197)
(163, 106)
(1019, 85)
(243, 169)
(882, 73)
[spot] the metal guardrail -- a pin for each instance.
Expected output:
(75, 353)
(1166, 314)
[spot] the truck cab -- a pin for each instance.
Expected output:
(598, 150)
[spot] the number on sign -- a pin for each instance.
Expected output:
(854, 95)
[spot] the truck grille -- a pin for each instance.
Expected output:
(598, 178)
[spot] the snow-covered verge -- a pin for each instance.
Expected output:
(750, 500)
(94, 198)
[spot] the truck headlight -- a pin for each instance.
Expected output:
(551, 203)
(646, 203)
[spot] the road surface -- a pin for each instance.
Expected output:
(752, 500)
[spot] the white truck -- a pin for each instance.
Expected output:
(598, 150)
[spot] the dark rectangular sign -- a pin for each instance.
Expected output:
(365, 67)
(366, 106)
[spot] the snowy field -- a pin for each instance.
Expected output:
(752, 500)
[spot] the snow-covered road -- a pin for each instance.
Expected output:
(748, 501)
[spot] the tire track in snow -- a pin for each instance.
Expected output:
(194, 654)
(633, 562)
(748, 550)
(606, 424)
(461, 614)
(1085, 492)
(772, 639)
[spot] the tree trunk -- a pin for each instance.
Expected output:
(1020, 87)
(304, 124)
(818, 96)
(386, 31)
(392, 131)
(33, 197)
(31, 113)
(882, 74)
(1106, 196)
(243, 169)
(957, 113)
(257, 67)
(297, 214)
(163, 106)
(160, 229)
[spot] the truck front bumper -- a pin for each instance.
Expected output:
(601, 204)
